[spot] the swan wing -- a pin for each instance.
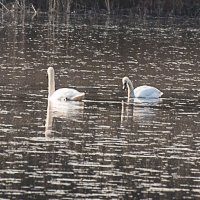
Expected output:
(64, 94)
(146, 91)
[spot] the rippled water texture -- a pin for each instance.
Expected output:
(104, 147)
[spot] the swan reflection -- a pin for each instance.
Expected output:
(145, 101)
(66, 110)
(140, 110)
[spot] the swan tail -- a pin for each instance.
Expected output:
(79, 97)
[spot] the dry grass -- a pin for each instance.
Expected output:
(135, 7)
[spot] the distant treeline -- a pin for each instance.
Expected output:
(127, 7)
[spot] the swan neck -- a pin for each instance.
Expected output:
(130, 90)
(51, 83)
(48, 123)
(49, 120)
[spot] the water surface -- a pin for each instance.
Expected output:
(104, 147)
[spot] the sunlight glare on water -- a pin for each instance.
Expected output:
(104, 147)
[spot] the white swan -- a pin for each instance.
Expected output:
(62, 94)
(141, 91)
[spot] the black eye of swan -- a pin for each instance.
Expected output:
(125, 86)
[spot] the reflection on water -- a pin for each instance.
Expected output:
(105, 147)
(139, 110)
(69, 110)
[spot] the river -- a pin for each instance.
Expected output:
(104, 147)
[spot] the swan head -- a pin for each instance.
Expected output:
(50, 71)
(125, 82)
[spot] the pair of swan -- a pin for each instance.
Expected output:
(64, 94)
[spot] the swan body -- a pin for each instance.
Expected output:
(143, 91)
(62, 94)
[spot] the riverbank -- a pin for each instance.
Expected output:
(141, 8)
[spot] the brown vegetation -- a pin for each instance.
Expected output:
(134, 7)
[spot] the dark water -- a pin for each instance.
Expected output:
(104, 147)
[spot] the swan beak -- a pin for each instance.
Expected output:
(124, 86)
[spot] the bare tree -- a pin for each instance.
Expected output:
(66, 4)
(107, 2)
